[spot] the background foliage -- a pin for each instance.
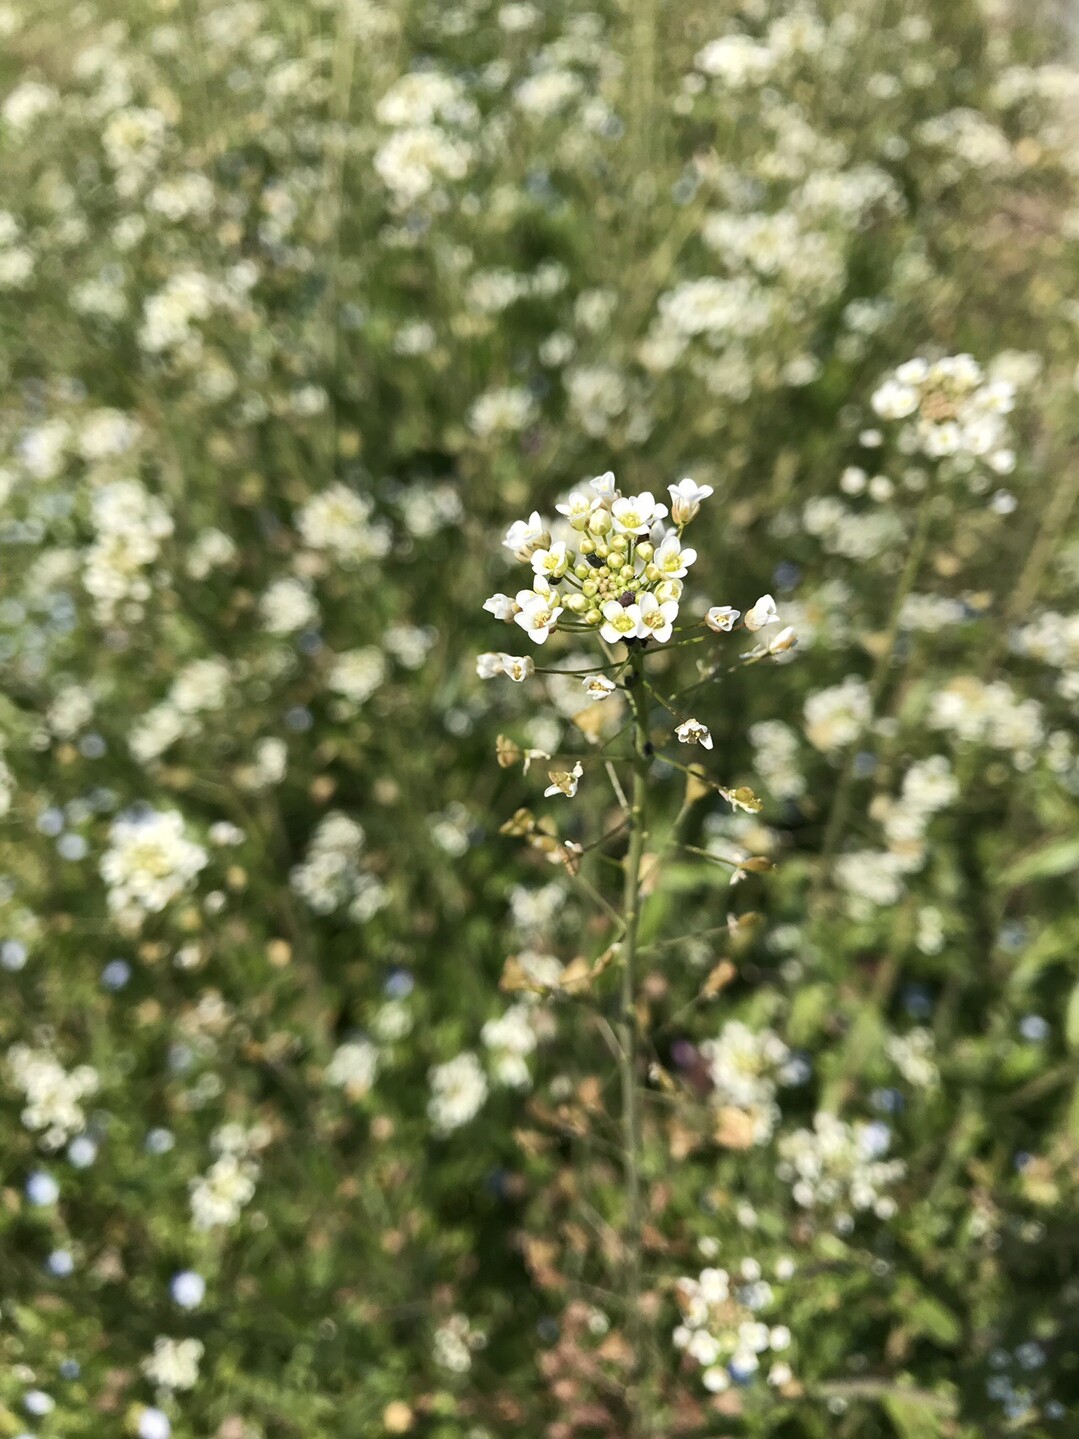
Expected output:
(243, 263)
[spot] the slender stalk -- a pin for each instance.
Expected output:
(629, 1040)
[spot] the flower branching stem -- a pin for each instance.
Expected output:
(630, 1037)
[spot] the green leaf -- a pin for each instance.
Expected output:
(935, 1320)
(912, 1417)
(811, 1008)
(1060, 857)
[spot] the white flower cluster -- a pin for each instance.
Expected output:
(990, 713)
(288, 605)
(914, 1055)
(929, 786)
(745, 1067)
(625, 575)
(836, 1166)
(775, 758)
(458, 1091)
(721, 1330)
(219, 1196)
(130, 525)
(353, 1067)
(339, 520)
(1053, 639)
(875, 878)
(511, 1038)
(454, 1344)
(201, 686)
(53, 1095)
(174, 1364)
(835, 717)
(429, 116)
(330, 877)
(357, 674)
(150, 862)
(954, 411)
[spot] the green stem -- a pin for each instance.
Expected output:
(629, 1041)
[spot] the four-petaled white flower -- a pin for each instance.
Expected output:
(564, 781)
(691, 731)
(672, 560)
(524, 536)
(551, 563)
(604, 486)
(501, 606)
(598, 687)
(722, 618)
(518, 667)
(578, 507)
(656, 620)
(620, 622)
(763, 613)
(686, 497)
(538, 616)
(489, 665)
(635, 514)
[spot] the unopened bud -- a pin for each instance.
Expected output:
(785, 640)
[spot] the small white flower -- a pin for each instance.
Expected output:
(785, 640)
(691, 731)
(564, 781)
(518, 667)
(604, 486)
(501, 606)
(598, 687)
(552, 562)
(538, 617)
(489, 665)
(763, 613)
(894, 400)
(621, 622)
(525, 536)
(577, 508)
(722, 618)
(672, 560)
(656, 620)
(635, 514)
(686, 497)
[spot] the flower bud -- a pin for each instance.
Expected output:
(586, 546)
(652, 573)
(578, 603)
(602, 551)
(590, 589)
(600, 522)
(594, 617)
(620, 544)
(646, 549)
(785, 640)
(582, 571)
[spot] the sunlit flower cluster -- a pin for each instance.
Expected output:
(954, 411)
(721, 1328)
(623, 576)
(839, 1167)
